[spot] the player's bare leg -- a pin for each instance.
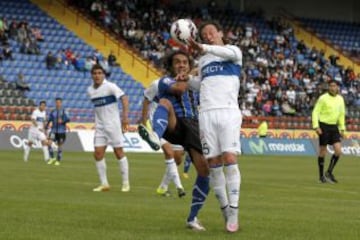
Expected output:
(99, 154)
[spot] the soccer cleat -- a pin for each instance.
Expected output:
(181, 192)
(101, 188)
(125, 187)
(330, 177)
(322, 179)
(163, 192)
(195, 225)
(51, 161)
(150, 137)
(232, 224)
(57, 163)
(185, 175)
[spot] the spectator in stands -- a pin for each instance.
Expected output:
(61, 58)
(51, 61)
(13, 30)
(275, 109)
(7, 52)
(97, 56)
(333, 60)
(33, 47)
(21, 84)
(36, 32)
(79, 63)
(22, 34)
(89, 63)
(3, 38)
(112, 59)
(286, 108)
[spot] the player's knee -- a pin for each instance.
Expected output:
(229, 158)
(337, 150)
(98, 155)
(165, 102)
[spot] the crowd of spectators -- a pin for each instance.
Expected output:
(68, 59)
(281, 76)
(21, 33)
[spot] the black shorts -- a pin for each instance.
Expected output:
(58, 137)
(330, 134)
(186, 134)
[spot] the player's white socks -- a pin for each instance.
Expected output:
(101, 168)
(27, 149)
(124, 169)
(165, 181)
(218, 184)
(233, 181)
(45, 149)
(172, 172)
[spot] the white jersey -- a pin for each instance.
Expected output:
(152, 91)
(39, 117)
(105, 100)
(220, 70)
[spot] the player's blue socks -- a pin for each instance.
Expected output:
(160, 120)
(199, 194)
(51, 152)
(187, 163)
(59, 155)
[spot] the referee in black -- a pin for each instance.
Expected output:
(328, 120)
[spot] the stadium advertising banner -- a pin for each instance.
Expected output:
(245, 133)
(132, 142)
(11, 140)
(350, 147)
(272, 146)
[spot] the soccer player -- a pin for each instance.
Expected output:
(37, 132)
(108, 128)
(172, 153)
(220, 117)
(328, 120)
(175, 119)
(58, 119)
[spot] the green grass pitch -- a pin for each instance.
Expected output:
(280, 199)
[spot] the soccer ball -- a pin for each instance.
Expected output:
(183, 29)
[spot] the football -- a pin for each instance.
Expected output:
(183, 29)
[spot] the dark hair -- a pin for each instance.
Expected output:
(211, 22)
(97, 67)
(58, 99)
(42, 102)
(333, 81)
(169, 60)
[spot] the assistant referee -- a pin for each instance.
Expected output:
(328, 120)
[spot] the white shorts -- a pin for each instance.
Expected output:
(36, 135)
(220, 131)
(105, 137)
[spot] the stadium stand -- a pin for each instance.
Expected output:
(64, 81)
(282, 77)
(343, 34)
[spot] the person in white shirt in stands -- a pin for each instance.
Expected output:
(37, 132)
(173, 153)
(108, 128)
(220, 117)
